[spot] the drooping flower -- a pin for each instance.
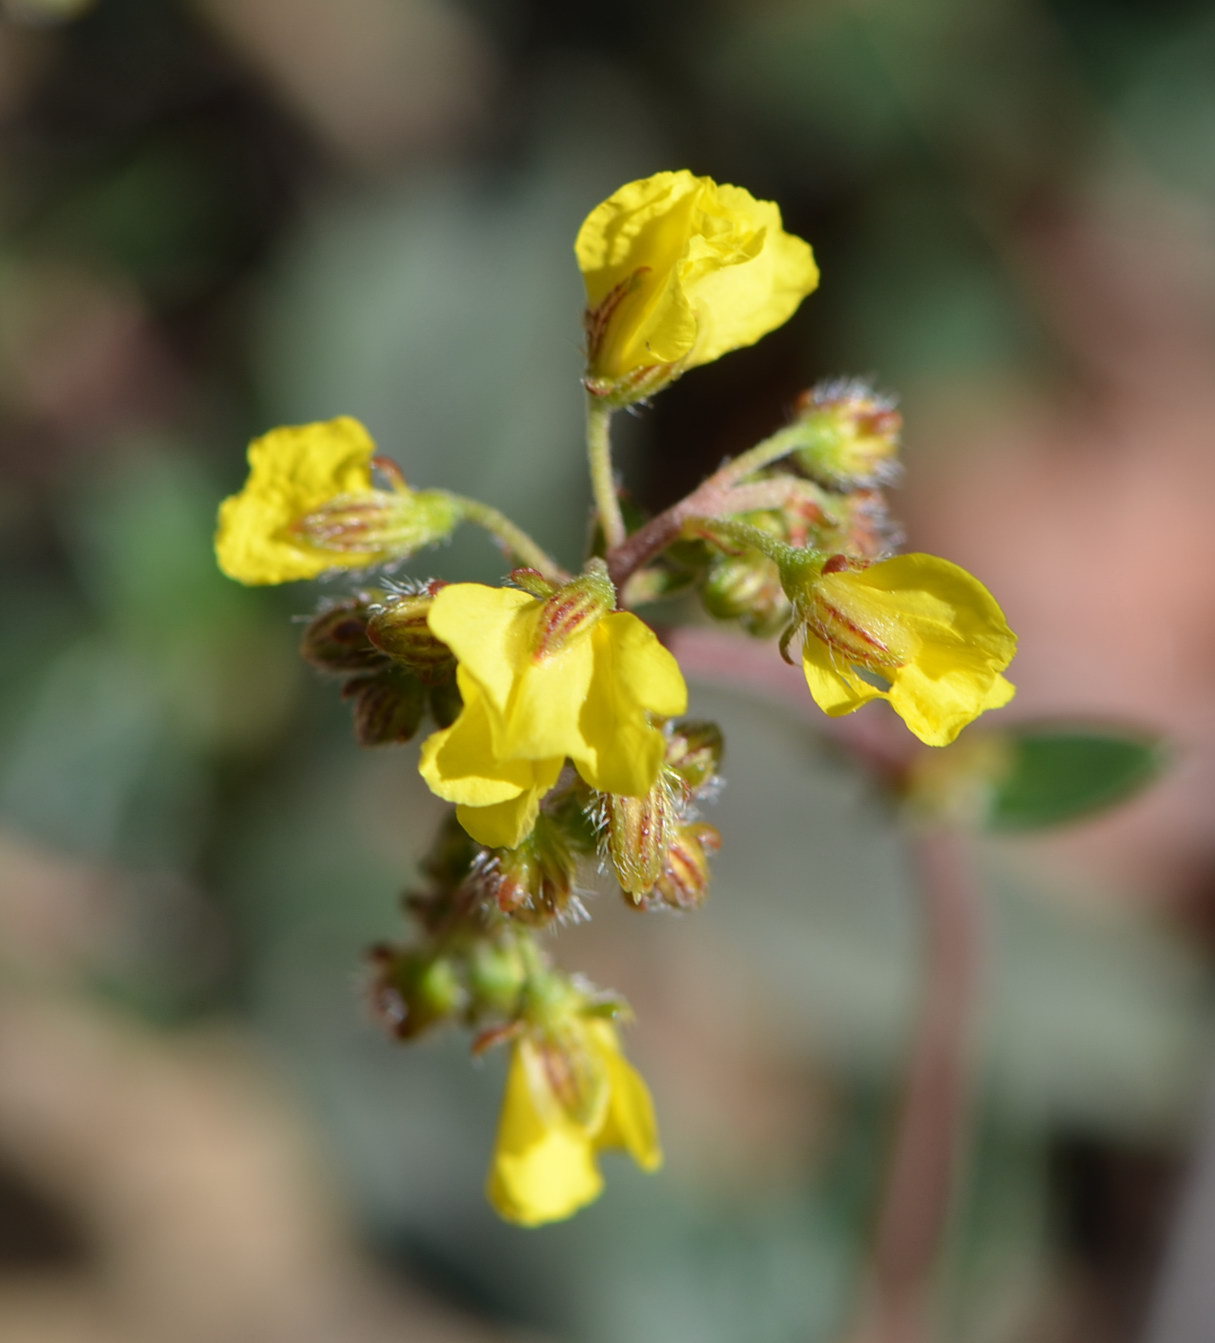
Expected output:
(541, 684)
(679, 271)
(310, 505)
(915, 630)
(569, 1096)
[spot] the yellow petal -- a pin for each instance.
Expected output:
(634, 675)
(293, 471)
(543, 1166)
(630, 1123)
(936, 707)
(836, 688)
(459, 763)
(945, 606)
(506, 825)
(484, 628)
(535, 704)
(679, 270)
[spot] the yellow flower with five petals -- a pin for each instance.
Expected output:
(915, 630)
(539, 688)
(569, 1096)
(679, 271)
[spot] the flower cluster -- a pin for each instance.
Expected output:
(555, 712)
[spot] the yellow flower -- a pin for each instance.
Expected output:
(929, 634)
(678, 272)
(309, 505)
(567, 1099)
(531, 700)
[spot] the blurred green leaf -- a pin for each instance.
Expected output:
(1059, 773)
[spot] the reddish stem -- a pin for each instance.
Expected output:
(931, 1133)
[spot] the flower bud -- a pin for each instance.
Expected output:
(336, 639)
(533, 582)
(573, 608)
(746, 588)
(390, 524)
(852, 435)
(637, 834)
(496, 973)
(445, 702)
(684, 882)
(398, 627)
(534, 882)
(389, 706)
(694, 753)
(411, 991)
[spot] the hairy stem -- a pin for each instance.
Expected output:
(603, 485)
(514, 540)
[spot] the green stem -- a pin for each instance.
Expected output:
(744, 534)
(599, 454)
(771, 449)
(514, 539)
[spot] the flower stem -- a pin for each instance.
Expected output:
(771, 449)
(603, 486)
(744, 534)
(514, 540)
(930, 1141)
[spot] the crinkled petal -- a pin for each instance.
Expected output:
(293, 471)
(754, 289)
(681, 270)
(543, 1168)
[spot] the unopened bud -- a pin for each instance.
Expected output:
(853, 435)
(694, 752)
(638, 831)
(410, 991)
(684, 882)
(574, 607)
(336, 639)
(861, 525)
(445, 702)
(388, 706)
(746, 588)
(389, 524)
(532, 581)
(399, 628)
(496, 973)
(535, 881)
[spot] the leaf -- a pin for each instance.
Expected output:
(1061, 772)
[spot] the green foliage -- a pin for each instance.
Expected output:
(1061, 773)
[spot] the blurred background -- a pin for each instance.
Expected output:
(221, 215)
